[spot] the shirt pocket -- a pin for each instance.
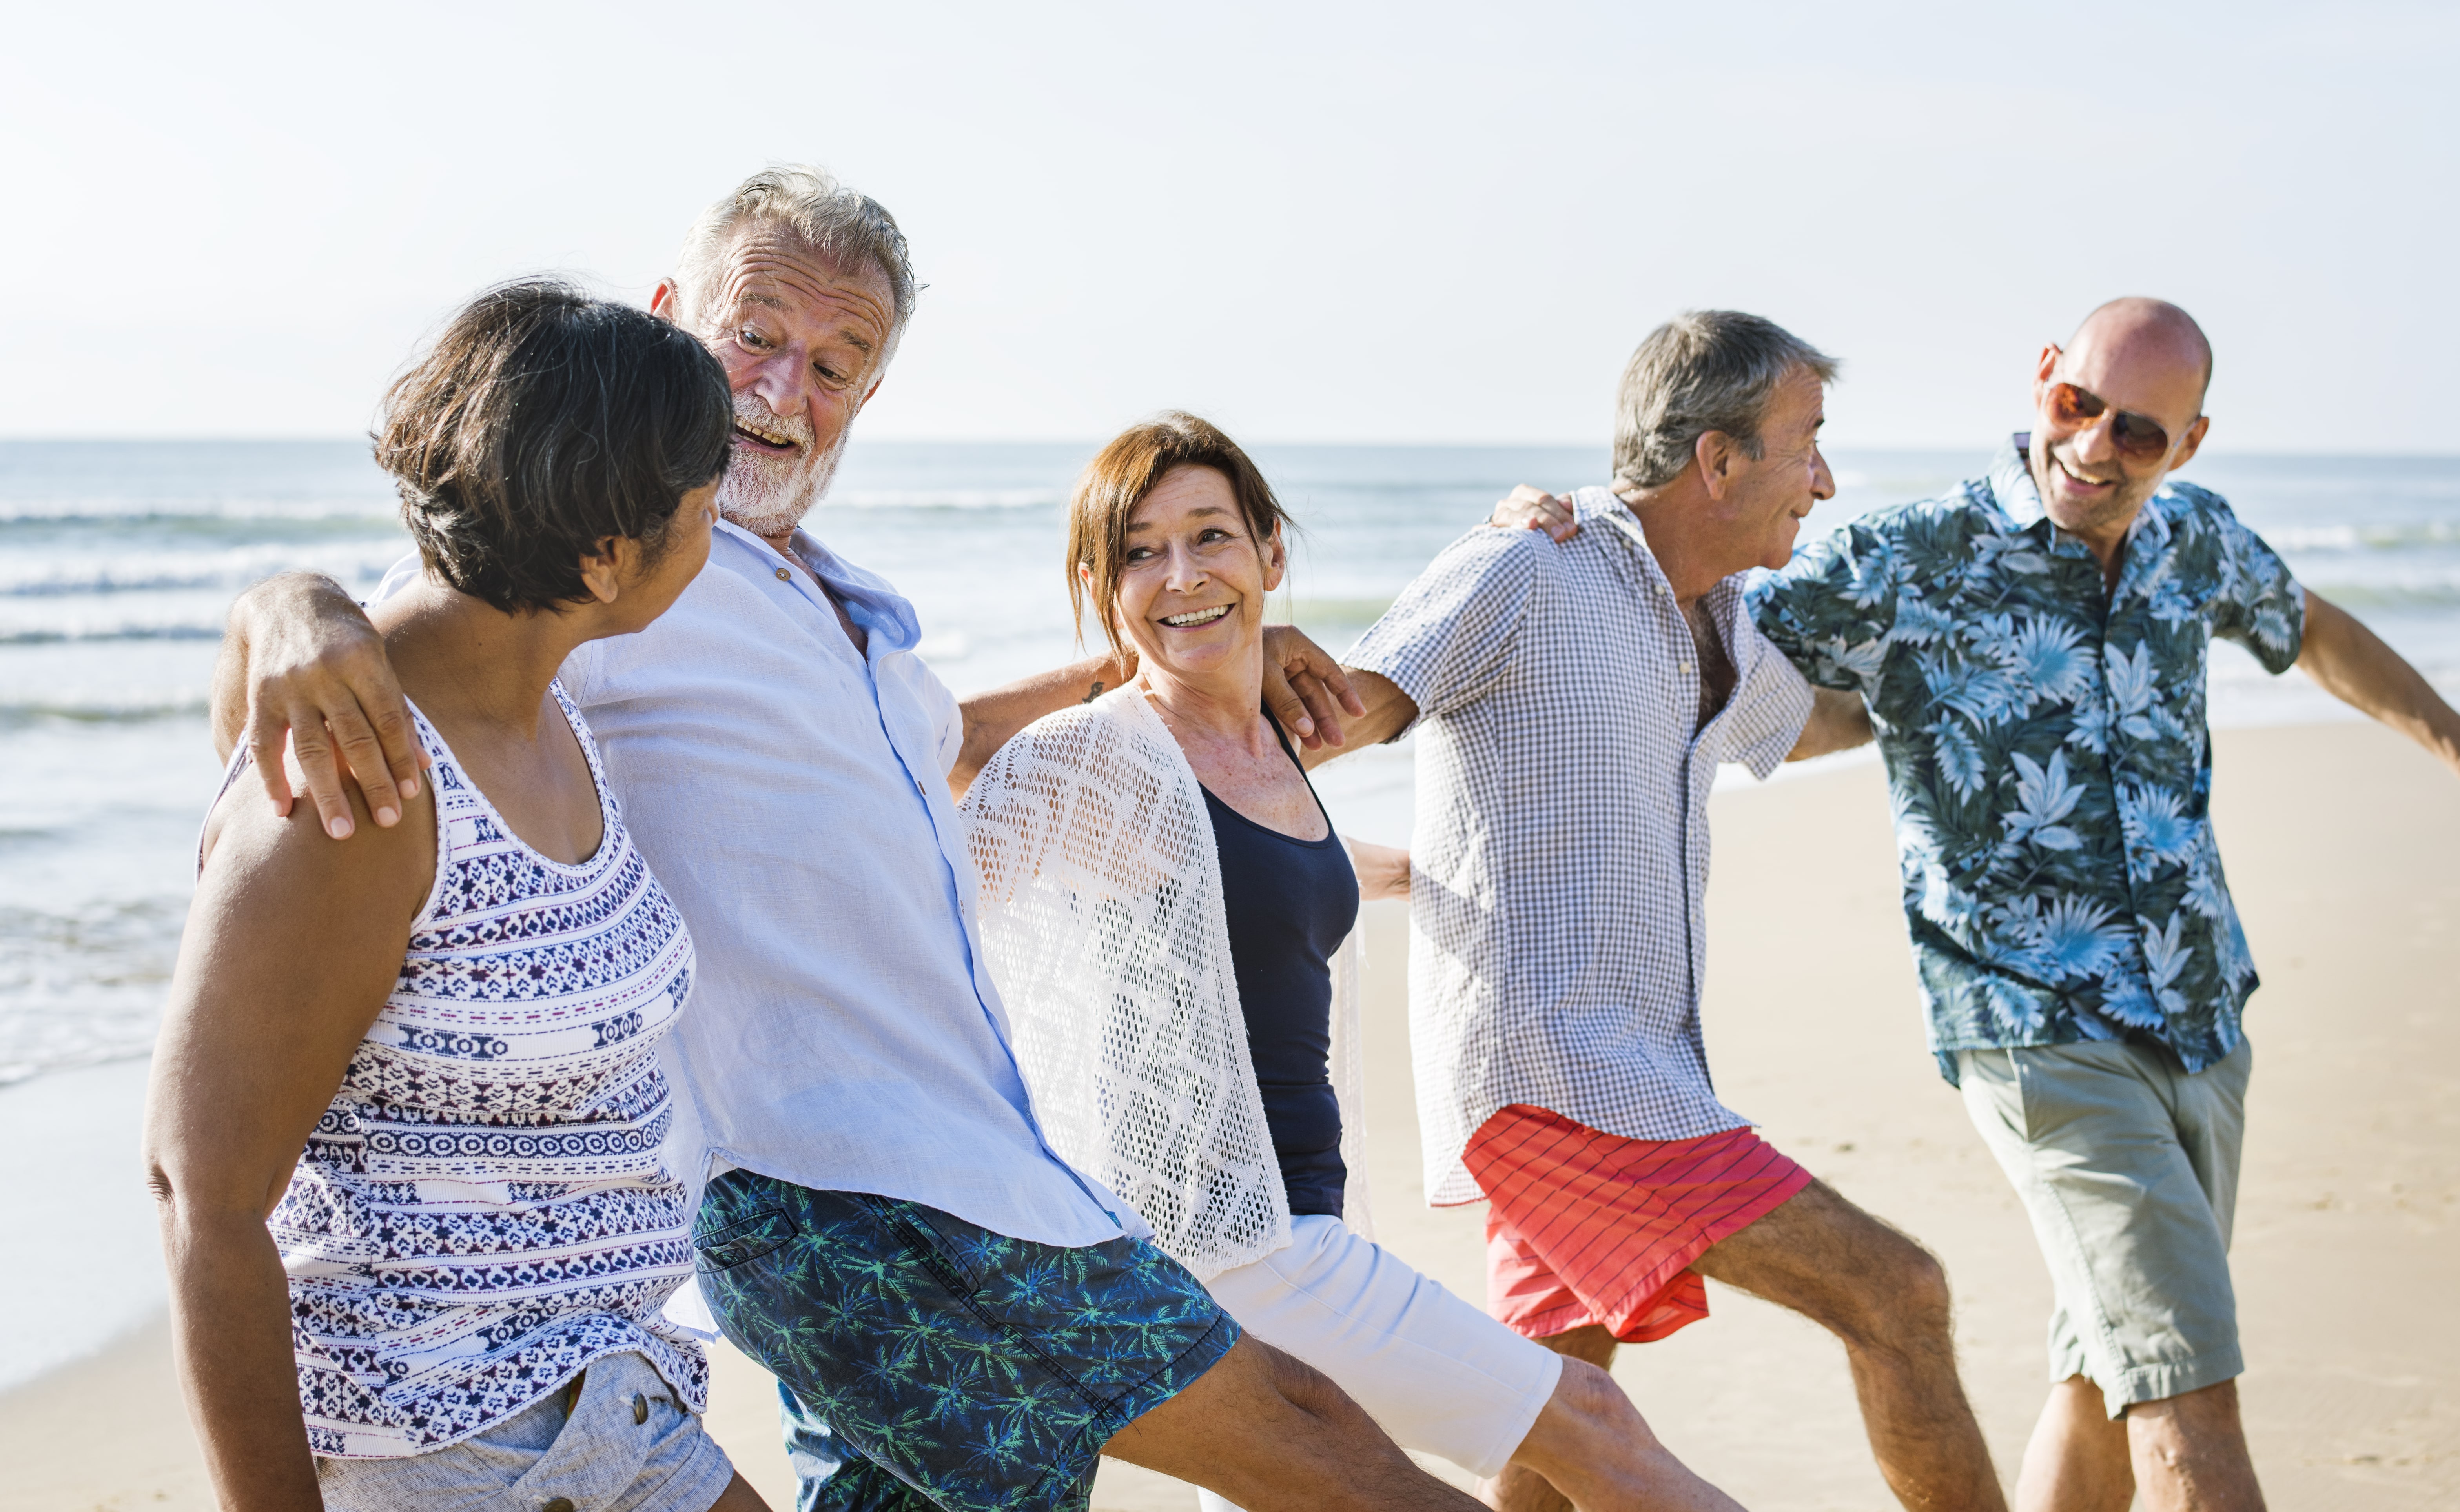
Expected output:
(746, 1239)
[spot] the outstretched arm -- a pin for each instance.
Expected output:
(2355, 666)
(1303, 686)
(300, 660)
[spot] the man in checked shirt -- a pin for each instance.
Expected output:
(2032, 646)
(1558, 944)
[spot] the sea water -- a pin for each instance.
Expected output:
(117, 563)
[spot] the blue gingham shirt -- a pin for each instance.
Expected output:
(1560, 843)
(2048, 756)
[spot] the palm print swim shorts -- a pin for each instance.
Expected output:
(926, 1362)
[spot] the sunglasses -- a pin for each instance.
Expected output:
(2138, 438)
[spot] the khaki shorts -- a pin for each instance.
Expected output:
(2128, 1165)
(626, 1446)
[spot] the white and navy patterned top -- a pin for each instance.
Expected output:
(483, 1210)
(1560, 847)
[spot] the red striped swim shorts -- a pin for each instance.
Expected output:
(1587, 1227)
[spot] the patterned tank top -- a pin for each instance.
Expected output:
(483, 1210)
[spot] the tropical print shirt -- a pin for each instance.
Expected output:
(2047, 758)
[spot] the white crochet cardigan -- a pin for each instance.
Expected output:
(1103, 922)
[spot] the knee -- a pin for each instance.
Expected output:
(1904, 1296)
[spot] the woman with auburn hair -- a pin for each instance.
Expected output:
(1167, 911)
(405, 1110)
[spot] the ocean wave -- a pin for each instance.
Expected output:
(946, 499)
(87, 634)
(130, 710)
(127, 513)
(2365, 536)
(84, 987)
(30, 575)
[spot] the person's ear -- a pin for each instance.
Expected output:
(1717, 455)
(603, 571)
(2043, 371)
(665, 301)
(1276, 558)
(2188, 448)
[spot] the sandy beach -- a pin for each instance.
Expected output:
(2342, 843)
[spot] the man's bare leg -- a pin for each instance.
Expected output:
(1591, 1446)
(1886, 1298)
(1273, 1436)
(2185, 1454)
(2076, 1460)
(1592, 1443)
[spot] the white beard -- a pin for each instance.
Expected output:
(769, 495)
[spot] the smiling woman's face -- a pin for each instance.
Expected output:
(1191, 597)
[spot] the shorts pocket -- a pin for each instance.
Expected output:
(743, 1241)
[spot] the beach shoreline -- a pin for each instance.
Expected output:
(2337, 839)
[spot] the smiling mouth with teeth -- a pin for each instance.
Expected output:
(749, 432)
(1196, 617)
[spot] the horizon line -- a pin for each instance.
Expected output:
(1089, 444)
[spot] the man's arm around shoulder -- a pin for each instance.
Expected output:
(301, 666)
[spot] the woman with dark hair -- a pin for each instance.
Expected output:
(1165, 907)
(405, 1110)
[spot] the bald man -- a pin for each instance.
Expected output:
(2032, 646)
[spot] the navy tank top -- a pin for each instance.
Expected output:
(1290, 903)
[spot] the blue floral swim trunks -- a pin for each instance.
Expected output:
(926, 1362)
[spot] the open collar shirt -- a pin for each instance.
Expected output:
(2047, 757)
(1560, 843)
(791, 795)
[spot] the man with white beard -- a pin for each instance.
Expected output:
(958, 1319)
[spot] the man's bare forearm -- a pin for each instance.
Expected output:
(1838, 721)
(1389, 712)
(2354, 666)
(993, 718)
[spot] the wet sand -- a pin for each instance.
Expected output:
(2342, 843)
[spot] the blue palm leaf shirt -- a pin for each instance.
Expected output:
(2048, 762)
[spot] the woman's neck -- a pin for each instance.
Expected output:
(1226, 709)
(458, 656)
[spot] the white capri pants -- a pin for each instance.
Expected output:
(1436, 1373)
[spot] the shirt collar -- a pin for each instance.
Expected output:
(884, 614)
(2012, 486)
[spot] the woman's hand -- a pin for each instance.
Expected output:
(1383, 870)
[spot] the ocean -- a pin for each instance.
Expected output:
(118, 561)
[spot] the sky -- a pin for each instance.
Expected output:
(1324, 221)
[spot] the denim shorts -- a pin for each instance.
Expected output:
(2128, 1165)
(622, 1442)
(927, 1362)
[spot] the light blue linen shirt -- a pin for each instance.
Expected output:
(791, 795)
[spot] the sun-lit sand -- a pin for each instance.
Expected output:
(2342, 843)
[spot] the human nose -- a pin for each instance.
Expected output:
(1823, 483)
(2097, 441)
(782, 382)
(1186, 574)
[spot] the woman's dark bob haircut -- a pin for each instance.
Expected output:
(541, 423)
(1119, 477)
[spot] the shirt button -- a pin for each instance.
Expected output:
(640, 1408)
(783, 575)
(1683, 667)
(558, 1505)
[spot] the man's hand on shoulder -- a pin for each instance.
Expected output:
(302, 670)
(1535, 509)
(1305, 688)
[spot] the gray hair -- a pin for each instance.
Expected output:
(1703, 370)
(847, 229)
